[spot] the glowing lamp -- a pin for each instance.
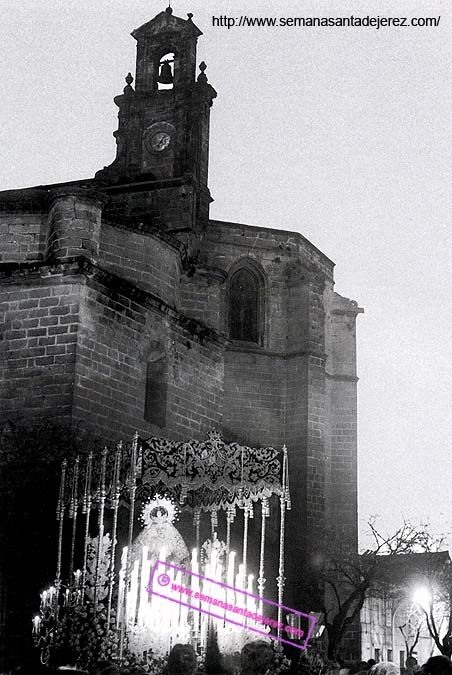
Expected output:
(422, 597)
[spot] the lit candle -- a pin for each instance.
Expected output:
(160, 618)
(194, 585)
(51, 594)
(36, 625)
(231, 564)
(66, 597)
(194, 561)
(204, 628)
(183, 617)
(251, 602)
(213, 564)
(43, 599)
(240, 578)
(121, 587)
(195, 569)
(144, 581)
(132, 596)
(77, 575)
(230, 577)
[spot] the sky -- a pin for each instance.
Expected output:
(341, 134)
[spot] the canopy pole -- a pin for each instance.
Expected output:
(102, 496)
(197, 524)
(73, 512)
(116, 492)
(60, 518)
(280, 579)
(132, 491)
(265, 512)
(86, 509)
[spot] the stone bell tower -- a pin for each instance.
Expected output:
(163, 131)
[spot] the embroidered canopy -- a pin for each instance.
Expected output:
(208, 474)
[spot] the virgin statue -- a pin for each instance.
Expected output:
(159, 534)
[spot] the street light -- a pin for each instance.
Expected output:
(422, 597)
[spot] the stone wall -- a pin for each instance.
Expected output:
(38, 345)
(23, 237)
(117, 335)
(254, 398)
(144, 259)
(84, 315)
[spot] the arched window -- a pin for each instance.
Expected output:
(244, 306)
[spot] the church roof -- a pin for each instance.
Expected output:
(411, 566)
(166, 22)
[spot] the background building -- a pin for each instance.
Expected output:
(393, 604)
(126, 308)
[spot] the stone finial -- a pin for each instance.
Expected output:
(202, 77)
(190, 16)
(128, 89)
(169, 10)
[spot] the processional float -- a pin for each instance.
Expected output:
(103, 496)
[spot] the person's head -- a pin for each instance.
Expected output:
(182, 659)
(437, 665)
(363, 665)
(29, 669)
(256, 657)
(107, 668)
(65, 656)
(371, 662)
(385, 668)
(410, 662)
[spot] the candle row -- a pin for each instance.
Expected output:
(165, 619)
(50, 596)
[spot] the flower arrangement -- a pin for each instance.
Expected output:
(148, 663)
(261, 657)
(85, 631)
(280, 660)
(312, 662)
(103, 570)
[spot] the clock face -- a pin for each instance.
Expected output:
(160, 141)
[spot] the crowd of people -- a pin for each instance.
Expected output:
(436, 665)
(181, 663)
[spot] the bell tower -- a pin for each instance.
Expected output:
(163, 130)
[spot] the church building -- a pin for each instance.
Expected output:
(125, 308)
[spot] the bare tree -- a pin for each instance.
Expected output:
(411, 631)
(435, 586)
(436, 605)
(346, 577)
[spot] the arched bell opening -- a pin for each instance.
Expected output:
(165, 76)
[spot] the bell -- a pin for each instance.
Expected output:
(166, 74)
